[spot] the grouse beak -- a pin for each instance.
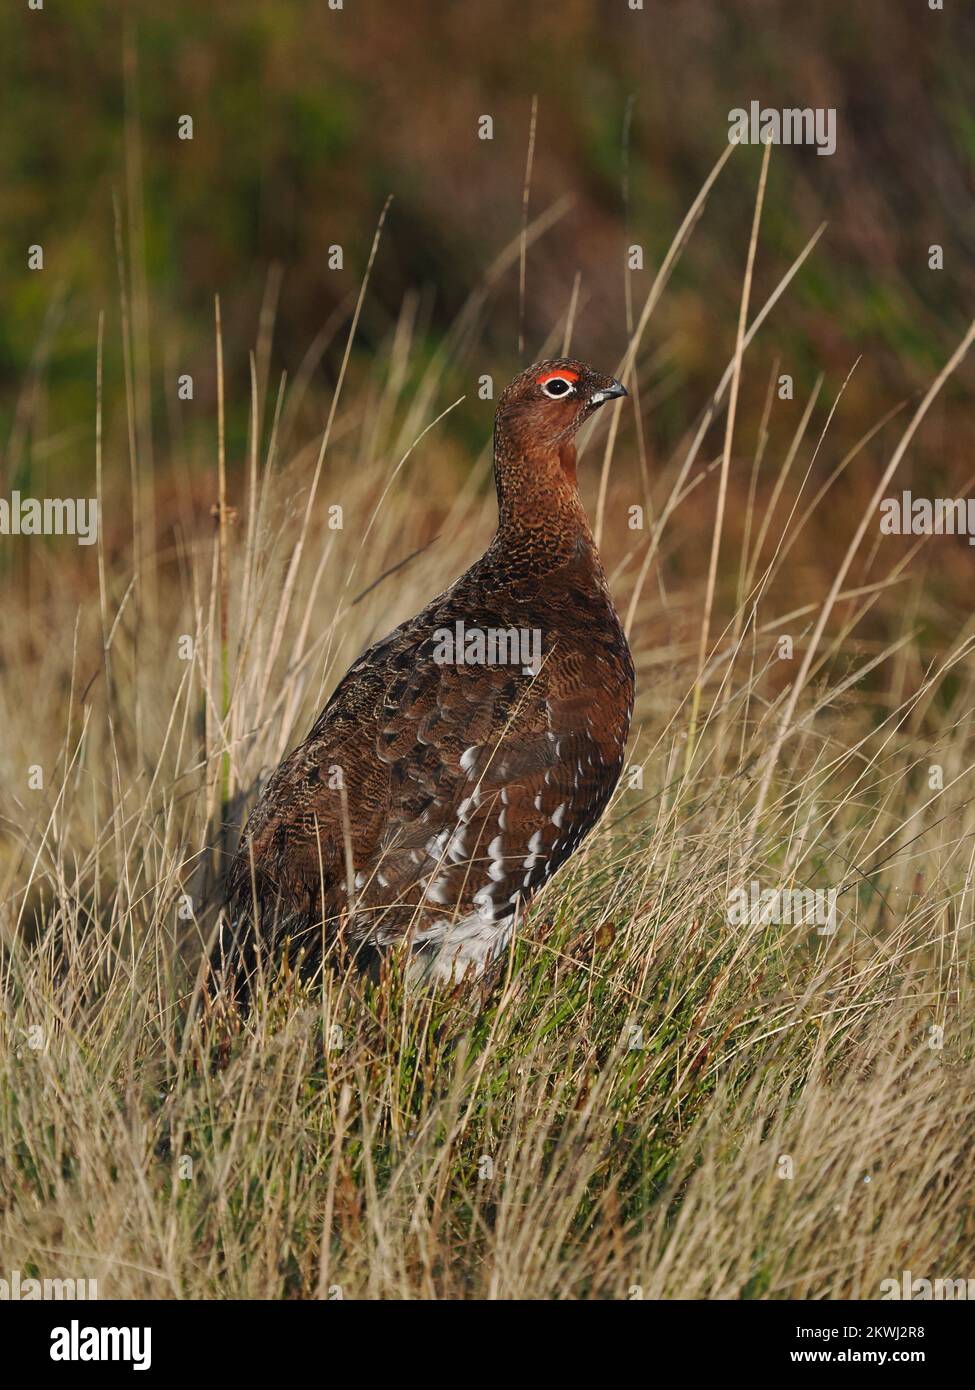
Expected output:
(608, 393)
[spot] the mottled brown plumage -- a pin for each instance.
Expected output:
(432, 799)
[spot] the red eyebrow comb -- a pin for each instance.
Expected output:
(550, 376)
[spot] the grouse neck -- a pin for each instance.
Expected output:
(538, 500)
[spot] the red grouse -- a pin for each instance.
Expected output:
(465, 756)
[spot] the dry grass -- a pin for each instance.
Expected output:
(618, 1115)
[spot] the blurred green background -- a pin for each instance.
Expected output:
(306, 118)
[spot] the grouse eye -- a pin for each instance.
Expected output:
(556, 386)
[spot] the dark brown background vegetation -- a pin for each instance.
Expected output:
(307, 118)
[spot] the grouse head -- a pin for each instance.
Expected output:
(542, 409)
